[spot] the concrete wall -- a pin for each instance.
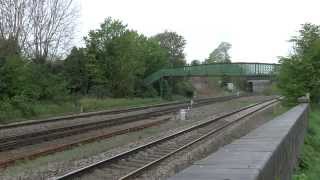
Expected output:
(285, 154)
(259, 86)
(269, 152)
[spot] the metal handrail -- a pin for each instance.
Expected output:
(217, 69)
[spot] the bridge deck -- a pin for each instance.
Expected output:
(218, 69)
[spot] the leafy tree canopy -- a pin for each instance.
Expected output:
(121, 58)
(300, 72)
(174, 44)
(220, 54)
(195, 62)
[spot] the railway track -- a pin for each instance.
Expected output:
(135, 162)
(118, 111)
(24, 139)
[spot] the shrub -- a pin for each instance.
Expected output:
(299, 73)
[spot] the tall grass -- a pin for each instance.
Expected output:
(309, 162)
(92, 104)
(42, 110)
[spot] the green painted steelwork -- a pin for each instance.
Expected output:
(259, 70)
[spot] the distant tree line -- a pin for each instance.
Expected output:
(115, 60)
(35, 66)
(38, 63)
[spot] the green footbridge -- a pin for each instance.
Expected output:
(249, 70)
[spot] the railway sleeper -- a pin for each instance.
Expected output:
(161, 152)
(102, 174)
(169, 148)
(132, 164)
(122, 168)
(147, 158)
(137, 160)
(154, 156)
(165, 150)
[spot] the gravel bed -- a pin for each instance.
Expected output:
(62, 162)
(67, 123)
(30, 149)
(200, 150)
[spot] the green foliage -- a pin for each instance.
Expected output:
(300, 72)
(220, 54)
(76, 71)
(309, 161)
(155, 58)
(8, 47)
(195, 62)
(147, 92)
(174, 44)
(121, 58)
(22, 83)
(308, 34)
(183, 88)
(167, 90)
(93, 104)
(113, 63)
(44, 109)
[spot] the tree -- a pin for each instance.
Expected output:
(52, 24)
(41, 29)
(13, 22)
(122, 57)
(220, 54)
(309, 33)
(155, 57)
(76, 71)
(299, 73)
(195, 62)
(8, 47)
(175, 44)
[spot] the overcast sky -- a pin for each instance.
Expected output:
(258, 30)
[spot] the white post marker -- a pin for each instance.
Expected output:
(182, 114)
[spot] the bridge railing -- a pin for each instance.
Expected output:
(217, 69)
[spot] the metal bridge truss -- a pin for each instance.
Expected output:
(249, 70)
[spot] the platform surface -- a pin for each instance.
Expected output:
(244, 158)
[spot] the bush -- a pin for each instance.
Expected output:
(16, 107)
(7, 111)
(184, 88)
(166, 90)
(148, 92)
(310, 157)
(299, 73)
(100, 91)
(23, 104)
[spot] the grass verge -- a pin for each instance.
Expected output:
(309, 161)
(42, 110)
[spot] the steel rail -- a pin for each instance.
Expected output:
(128, 153)
(63, 146)
(157, 161)
(12, 142)
(114, 111)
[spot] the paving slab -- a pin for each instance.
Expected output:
(253, 156)
(199, 172)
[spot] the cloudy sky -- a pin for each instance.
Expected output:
(258, 30)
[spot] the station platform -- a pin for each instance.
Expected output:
(267, 153)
